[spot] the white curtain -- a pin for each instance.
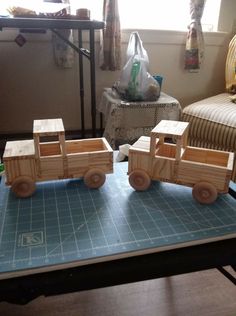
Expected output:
(63, 53)
(110, 57)
(195, 42)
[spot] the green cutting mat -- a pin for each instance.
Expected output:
(65, 222)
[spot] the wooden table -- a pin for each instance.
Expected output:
(54, 25)
(109, 236)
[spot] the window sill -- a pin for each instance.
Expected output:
(165, 37)
(174, 37)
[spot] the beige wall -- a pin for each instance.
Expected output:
(32, 87)
(227, 17)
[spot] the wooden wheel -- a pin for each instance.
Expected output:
(23, 186)
(94, 178)
(204, 192)
(139, 180)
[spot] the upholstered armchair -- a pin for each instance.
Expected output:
(213, 120)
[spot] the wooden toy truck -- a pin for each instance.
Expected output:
(28, 161)
(152, 158)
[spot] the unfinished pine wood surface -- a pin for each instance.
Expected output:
(208, 156)
(41, 160)
(86, 145)
(51, 168)
(48, 127)
(17, 167)
(143, 143)
(62, 141)
(19, 149)
(168, 128)
(50, 149)
(179, 163)
(191, 173)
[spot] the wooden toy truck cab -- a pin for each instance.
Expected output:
(151, 158)
(28, 161)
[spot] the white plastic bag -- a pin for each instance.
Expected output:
(136, 84)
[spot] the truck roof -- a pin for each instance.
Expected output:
(48, 127)
(168, 128)
(19, 148)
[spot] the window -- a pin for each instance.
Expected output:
(156, 14)
(150, 14)
(165, 14)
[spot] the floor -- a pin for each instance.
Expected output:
(206, 293)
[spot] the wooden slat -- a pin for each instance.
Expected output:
(79, 164)
(87, 145)
(166, 150)
(48, 127)
(169, 128)
(163, 169)
(208, 156)
(51, 168)
(138, 160)
(62, 143)
(143, 143)
(19, 148)
(191, 173)
(18, 167)
(50, 149)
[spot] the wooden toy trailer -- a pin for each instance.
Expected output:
(152, 158)
(28, 161)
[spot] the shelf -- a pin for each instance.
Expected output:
(45, 23)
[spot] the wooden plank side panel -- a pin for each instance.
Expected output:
(166, 150)
(208, 156)
(19, 167)
(139, 160)
(79, 164)
(190, 173)
(163, 169)
(85, 145)
(50, 149)
(103, 160)
(51, 168)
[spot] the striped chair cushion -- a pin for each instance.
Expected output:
(213, 124)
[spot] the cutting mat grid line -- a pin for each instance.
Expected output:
(65, 221)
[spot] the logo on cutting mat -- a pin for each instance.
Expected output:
(30, 239)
